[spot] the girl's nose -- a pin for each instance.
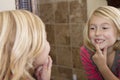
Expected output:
(98, 32)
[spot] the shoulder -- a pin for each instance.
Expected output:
(82, 48)
(85, 55)
(84, 51)
(118, 51)
(117, 57)
(118, 54)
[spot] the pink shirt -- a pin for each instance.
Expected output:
(92, 70)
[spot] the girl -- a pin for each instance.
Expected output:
(24, 48)
(100, 54)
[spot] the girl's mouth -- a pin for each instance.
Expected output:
(99, 41)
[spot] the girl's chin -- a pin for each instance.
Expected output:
(101, 47)
(46, 60)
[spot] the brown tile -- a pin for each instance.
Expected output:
(76, 34)
(55, 71)
(50, 33)
(61, 73)
(64, 56)
(62, 34)
(45, 1)
(61, 12)
(60, 78)
(65, 73)
(76, 58)
(53, 54)
(61, 0)
(80, 74)
(77, 12)
(46, 12)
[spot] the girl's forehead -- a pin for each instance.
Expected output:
(99, 20)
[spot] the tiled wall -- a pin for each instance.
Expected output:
(64, 21)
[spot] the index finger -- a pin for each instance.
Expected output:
(97, 48)
(49, 62)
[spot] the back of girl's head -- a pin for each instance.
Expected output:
(22, 36)
(107, 12)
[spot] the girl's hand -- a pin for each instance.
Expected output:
(100, 57)
(44, 73)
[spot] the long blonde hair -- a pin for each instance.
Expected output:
(22, 36)
(107, 12)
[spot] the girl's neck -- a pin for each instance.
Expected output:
(110, 51)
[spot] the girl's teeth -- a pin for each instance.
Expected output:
(99, 41)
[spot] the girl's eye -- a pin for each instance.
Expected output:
(104, 28)
(92, 28)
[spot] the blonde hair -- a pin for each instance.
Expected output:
(107, 12)
(22, 36)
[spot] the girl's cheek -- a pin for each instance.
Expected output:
(46, 61)
(93, 42)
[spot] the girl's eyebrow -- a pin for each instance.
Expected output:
(100, 25)
(105, 24)
(92, 25)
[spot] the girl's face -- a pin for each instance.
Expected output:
(102, 32)
(43, 57)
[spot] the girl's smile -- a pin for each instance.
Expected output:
(102, 31)
(99, 41)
